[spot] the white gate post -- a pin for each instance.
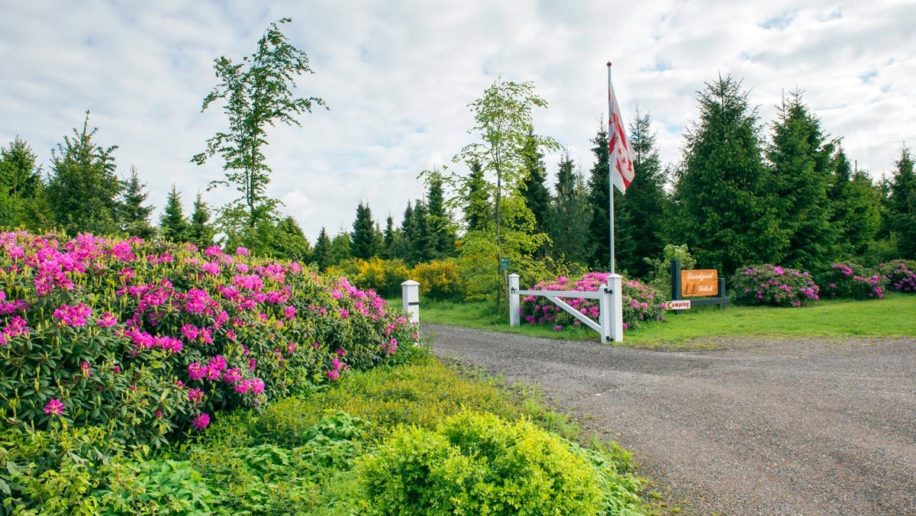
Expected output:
(410, 298)
(514, 314)
(615, 282)
(604, 312)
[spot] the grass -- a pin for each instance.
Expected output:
(892, 316)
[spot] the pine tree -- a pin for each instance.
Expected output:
(725, 213)
(364, 241)
(22, 193)
(420, 237)
(321, 255)
(802, 173)
(440, 221)
(388, 239)
(83, 189)
(283, 239)
(569, 215)
(901, 216)
(644, 209)
(134, 214)
(599, 203)
(173, 225)
(201, 231)
(855, 206)
(340, 248)
(477, 207)
(534, 189)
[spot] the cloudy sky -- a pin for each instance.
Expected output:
(398, 75)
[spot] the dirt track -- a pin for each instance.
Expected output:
(761, 427)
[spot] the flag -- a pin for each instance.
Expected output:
(618, 148)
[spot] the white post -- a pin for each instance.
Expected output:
(514, 313)
(615, 283)
(604, 312)
(410, 297)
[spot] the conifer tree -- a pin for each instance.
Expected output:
(173, 225)
(364, 242)
(283, 239)
(388, 238)
(802, 173)
(599, 203)
(533, 189)
(201, 231)
(83, 190)
(420, 237)
(855, 209)
(725, 213)
(340, 248)
(901, 203)
(22, 193)
(477, 207)
(440, 222)
(569, 215)
(321, 255)
(134, 214)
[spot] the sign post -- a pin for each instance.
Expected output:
(703, 286)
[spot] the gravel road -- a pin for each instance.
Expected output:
(761, 427)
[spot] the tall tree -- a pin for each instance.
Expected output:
(476, 199)
(340, 248)
(364, 242)
(440, 221)
(599, 202)
(388, 238)
(83, 189)
(258, 93)
(321, 255)
(22, 195)
(173, 224)
(855, 208)
(569, 215)
(802, 172)
(901, 216)
(727, 216)
(420, 236)
(134, 213)
(534, 187)
(644, 209)
(201, 231)
(283, 239)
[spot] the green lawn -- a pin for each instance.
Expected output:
(894, 316)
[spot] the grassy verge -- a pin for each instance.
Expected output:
(697, 328)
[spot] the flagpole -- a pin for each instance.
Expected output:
(610, 175)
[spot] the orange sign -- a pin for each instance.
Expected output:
(700, 283)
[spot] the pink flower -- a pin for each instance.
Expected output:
(232, 375)
(257, 385)
(86, 369)
(195, 395)
(201, 421)
(333, 375)
(196, 371)
(190, 332)
(107, 320)
(54, 408)
(252, 364)
(197, 301)
(158, 413)
(344, 313)
(242, 251)
(75, 316)
(290, 312)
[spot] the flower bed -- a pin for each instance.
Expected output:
(900, 275)
(640, 302)
(852, 281)
(149, 339)
(774, 285)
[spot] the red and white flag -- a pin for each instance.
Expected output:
(618, 147)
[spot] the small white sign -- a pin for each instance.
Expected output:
(680, 304)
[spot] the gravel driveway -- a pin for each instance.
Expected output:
(761, 427)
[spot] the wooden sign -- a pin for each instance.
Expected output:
(700, 283)
(680, 304)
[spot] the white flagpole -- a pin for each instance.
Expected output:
(610, 174)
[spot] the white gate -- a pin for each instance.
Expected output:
(609, 296)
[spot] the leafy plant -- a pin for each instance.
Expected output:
(851, 280)
(774, 285)
(900, 275)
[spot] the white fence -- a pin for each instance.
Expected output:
(610, 304)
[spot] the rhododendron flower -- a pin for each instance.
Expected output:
(195, 395)
(197, 371)
(107, 320)
(190, 332)
(86, 369)
(344, 313)
(242, 251)
(257, 385)
(290, 312)
(55, 407)
(197, 301)
(333, 375)
(232, 375)
(252, 364)
(201, 421)
(74, 316)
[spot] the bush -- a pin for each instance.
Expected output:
(382, 276)
(148, 339)
(640, 302)
(851, 281)
(773, 285)
(900, 275)
(440, 279)
(479, 464)
(660, 268)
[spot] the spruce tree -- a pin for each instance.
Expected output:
(340, 248)
(569, 215)
(855, 206)
(440, 222)
(802, 173)
(364, 242)
(83, 190)
(134, 214)
(901, 216)
(643, 211)
(533, 189)
(173, 225)
(22, 195)
(477, 207)
(726, 215)
(388, 238)
(321, 255)
(283, 239)
(599, 203)
(420, 237)
(201, 231)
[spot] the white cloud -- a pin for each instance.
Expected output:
(398, 76)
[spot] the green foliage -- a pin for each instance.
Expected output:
(83, 189)
(598, 200)
(440, 224)
(258, 93)
(851, 281)
(440, 279)
(22, 193)
(855, 207)
(133, 215)
(282, 239)
(201, 231)
(474, 195)
(321, 256)
(660, 268)
(479, 464)
(382, 276)
(340, 248)
(569, 216)
(160, 486)
(533, 187)
(173, 225)
(900, 275)
(901, 206)
(773, 285)
(725, 211)
(364, 240)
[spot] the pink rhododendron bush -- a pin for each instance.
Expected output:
(852, 281)
(149, 339)
(640, 302)
(774, 285)
(901, 275)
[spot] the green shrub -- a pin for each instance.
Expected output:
(900, 275)
(440, 279)
(773, 285)
(382, 276)
(480, 464)
(659, 276)
(851, 281)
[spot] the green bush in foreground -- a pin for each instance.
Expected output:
(480, 464)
